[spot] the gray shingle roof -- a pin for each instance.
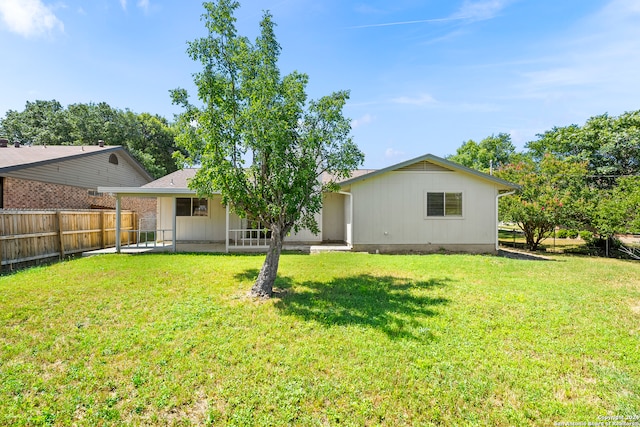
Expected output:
(12, 158)
(179, 179)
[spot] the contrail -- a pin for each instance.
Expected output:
(422, 21)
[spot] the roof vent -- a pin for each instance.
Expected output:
(101, 143)
(4, 143)
(16, 144)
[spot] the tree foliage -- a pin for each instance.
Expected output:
(553, 193)
(618, 209)
(149, 138)
(259, 142)
(493, 151)
(593, 170)
(609, 145)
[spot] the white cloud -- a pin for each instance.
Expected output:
(391, 152)
(597, 61)
(422, 99)
(29, 18)
(364, 120)
(470, 11)
(144, 5)
(480, 10)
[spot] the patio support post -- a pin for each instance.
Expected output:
(118, 222)
(226, 233)
(174, 237)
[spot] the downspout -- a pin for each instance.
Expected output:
(508, 193)
(350, 230)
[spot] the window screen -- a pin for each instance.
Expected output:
(192, 207)
(444, 204)
(435, 204)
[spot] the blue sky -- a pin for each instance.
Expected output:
(425, 76)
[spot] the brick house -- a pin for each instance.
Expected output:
(67, 177)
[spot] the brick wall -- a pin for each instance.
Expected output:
(26, 194)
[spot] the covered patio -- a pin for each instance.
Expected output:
(187, 247)
(187, 223)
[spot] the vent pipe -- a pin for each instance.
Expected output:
(4, 143)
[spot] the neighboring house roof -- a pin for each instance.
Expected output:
(15, 159)
(177, 182)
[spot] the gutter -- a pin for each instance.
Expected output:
(508, 193)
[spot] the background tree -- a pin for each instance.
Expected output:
(553, 193)
(149, 138)
(258, 141)
(493, 150)
(618, 209)
(609, 145)
(41, 123)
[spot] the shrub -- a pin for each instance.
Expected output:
(572, 234)
(562, 233)
(586, 235)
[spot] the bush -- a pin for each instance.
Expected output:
(562, 234)
(587, 236)
(572, 234)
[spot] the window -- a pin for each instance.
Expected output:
(192, 207)
(444, 204)
(113, 159)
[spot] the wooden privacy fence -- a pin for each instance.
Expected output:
(32, 236)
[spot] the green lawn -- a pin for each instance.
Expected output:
(349, 339)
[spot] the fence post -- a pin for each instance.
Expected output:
(134, 225)
(60, 235)
(1, 242)
(103, 242)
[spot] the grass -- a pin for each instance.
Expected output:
(349, 339)
(516, 239)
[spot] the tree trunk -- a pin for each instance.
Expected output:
(263, 287)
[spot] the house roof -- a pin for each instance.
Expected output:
(177, 179)
(23, 157)
(178, 182)
(180, 178)
(446, 164)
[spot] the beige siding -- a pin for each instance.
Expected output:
(211, 228)
(87, 172)
(333, 218)
(306, 236)
(390, 210)
(204, 229)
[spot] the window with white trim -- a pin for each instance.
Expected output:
(192, 207)
(443, 204)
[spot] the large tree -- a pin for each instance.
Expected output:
(149, 138)
(258, 141)
(553, 192)
(618, 209)
(609, 145)
(492, 152)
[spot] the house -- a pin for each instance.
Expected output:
(425, 204)
(68, 177)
